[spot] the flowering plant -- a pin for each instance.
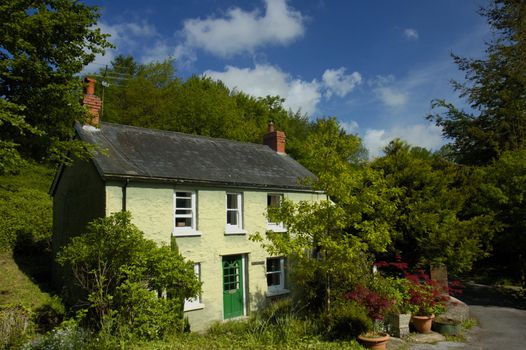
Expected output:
(426, 297)
(375, 304)
(423, 296)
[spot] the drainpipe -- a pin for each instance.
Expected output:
(124, 190)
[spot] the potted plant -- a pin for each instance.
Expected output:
(376, 306)
(427, 301)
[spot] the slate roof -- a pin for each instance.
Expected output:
(155, 155)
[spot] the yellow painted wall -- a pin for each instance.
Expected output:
(152, 210)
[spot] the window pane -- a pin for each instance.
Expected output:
(183, 203)
(231, 201)
(183, 194)
(274, 279)
(273, 200)
(231, 218)
(183, 212)
(183, 222)
(273, 265)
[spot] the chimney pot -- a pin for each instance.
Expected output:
(274, 139)
(89, 89)
(92, 101)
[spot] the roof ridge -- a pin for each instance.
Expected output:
(186, 134)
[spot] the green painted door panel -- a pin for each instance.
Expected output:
(233, 286)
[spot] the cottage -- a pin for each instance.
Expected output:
(205, 194)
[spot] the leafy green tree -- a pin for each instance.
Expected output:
(139, 95)
(124, 276)
(430, 224)
(502, 193)
(153, 96)
(330, 242)
(44, 44)
(26, 208)
(494, 89)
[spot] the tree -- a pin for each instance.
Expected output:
(329, 242)
(494, 89)
(502, 193)
(429, 224)
(124, 276)
(44, 45)
(152, 96)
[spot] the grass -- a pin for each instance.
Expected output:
(18, 288)
(195, 341)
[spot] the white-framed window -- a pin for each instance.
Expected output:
(195, 302)
(234, 213)
(184, 212)
(274, 200)
(276, 275)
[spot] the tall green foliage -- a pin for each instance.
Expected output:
(153, 96)
(44, 44)
(329, 242)
(429, 222)
(502, 192)
(124, 276)
(494, 89)
(25, 207)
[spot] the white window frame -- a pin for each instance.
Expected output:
(194, 303)
(235, 229)
(275, 226)
(276, 289)
(185, 230)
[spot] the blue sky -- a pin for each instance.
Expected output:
(375, 65)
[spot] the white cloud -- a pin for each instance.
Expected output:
(391, 96)
(351, 127)
(423, 135)
(390, 93)
(125, 37)
(243, 31)
(263, 80)
(411, 34)
(339, 83)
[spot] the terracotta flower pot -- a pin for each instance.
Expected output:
(375, 343)
(423, 323)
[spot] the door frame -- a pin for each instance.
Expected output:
(244, 286)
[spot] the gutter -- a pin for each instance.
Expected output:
(126, 179)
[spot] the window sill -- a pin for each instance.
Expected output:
(277, 292)
(276, 228)
(186, 233)
(194, 307)
(235, 231)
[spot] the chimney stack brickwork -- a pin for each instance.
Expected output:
(92, 101)
(275, 139)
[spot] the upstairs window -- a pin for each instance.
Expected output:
(273, 201)
(234, 212)
(184, 217)
(276, 275)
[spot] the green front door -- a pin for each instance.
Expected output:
(233, 305)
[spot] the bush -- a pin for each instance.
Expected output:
(67, 337)
(124, 277)
(15, 325)
(347, 320)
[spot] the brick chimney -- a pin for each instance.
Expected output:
(274, 139)
(92, 101)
